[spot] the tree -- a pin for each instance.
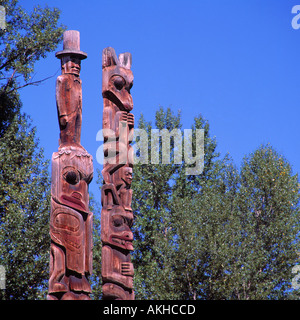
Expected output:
(151, 194)
(163, 194)
(95, 279)
(268, 207)
(24, 212)
(28, 37)
(224, 234)
(203, 233)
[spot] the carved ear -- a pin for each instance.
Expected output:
(125, 60)
(109, 57)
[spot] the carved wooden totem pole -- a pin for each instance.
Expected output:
(72, 171)
(116, 194)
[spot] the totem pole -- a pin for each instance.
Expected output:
(116, 193)
(72, 171)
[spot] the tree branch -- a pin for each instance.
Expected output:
(34, 83)
(10, 80)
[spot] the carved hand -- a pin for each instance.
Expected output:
(130, 119)
(127, 269)
(63, 120)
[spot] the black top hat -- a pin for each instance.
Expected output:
(71, 45)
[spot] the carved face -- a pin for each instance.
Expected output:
(71, 176)
(117, 82)
(116, 229)
(70, 64)
(127, 175)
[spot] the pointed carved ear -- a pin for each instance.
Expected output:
(125, 60)
(109, 57)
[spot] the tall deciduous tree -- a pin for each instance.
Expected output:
(163, 232)
(24, 212)
(268, 205)
(152, 190)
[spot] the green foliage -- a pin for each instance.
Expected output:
(95, 278)
(162, 229)
(24, 212)
(224, 234)
(269, 213)
(28, 37)
(152, 190)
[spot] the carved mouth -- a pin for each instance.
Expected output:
(124, 242)
(77, 69)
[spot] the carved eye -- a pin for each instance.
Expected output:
(118, 221)
(119, 82)
(72, 177)
(76, 60)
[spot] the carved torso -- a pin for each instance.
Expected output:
(69, 108)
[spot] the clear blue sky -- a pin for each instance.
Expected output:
(235, 62)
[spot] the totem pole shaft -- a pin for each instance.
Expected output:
(116, 194)
(72, 171)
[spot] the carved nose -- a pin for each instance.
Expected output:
(128, 236)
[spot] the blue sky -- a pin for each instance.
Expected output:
(235, 62)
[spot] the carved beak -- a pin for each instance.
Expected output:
(121, 99)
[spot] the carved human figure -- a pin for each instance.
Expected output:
(69, 90)
(72, 171)
(124, 189)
